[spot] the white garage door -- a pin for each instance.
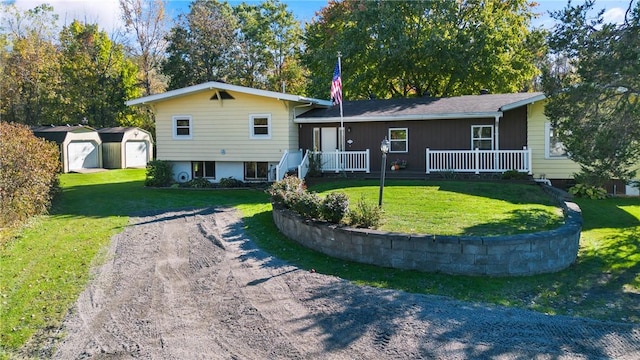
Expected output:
(136, 154)
(82, 155)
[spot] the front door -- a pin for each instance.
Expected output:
(328, 139)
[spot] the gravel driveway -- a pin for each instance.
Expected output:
(190, 285)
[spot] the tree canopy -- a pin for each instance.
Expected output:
(254, 45)
(53, 77)
(595, 102)
(409, 48)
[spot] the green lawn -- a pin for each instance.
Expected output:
(456, 208)
(44, 266)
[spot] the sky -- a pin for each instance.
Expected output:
(107, 14)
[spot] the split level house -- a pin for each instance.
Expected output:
(217, 130)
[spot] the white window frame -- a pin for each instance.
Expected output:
(406, 140)
(473, 139)
(255, 169)
(252, 126)
(548, 130)
(204, 168)
(175, 120)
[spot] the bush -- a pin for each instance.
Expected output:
(159, 173)
(199, 183)
(514, 175)
(307, 204)
(285, 192)
(29, 176)
(334, 207)
(365, 215)
(230, 182)
(588, 191)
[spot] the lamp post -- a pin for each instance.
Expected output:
(384, 148)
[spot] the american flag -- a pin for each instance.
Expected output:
(336, 86)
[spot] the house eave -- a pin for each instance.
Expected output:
(214, 85)
(354, 119)
(524, 102)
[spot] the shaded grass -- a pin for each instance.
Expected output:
(46, 265)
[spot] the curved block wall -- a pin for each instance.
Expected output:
(512, 255)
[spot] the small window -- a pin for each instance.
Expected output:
(554, 148)
(182, 127)
(260, 126)
(482, 137)
(203, 169)
(256, 170)
(398, 140)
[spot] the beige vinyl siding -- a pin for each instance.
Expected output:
(561, 168)
(221, 130)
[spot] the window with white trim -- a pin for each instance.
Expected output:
(482, 137)
(260, 126)
(398, 140)
(553, 147)
(256, 170)
(203, 169)
(182, 127)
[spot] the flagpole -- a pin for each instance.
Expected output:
(342, 134)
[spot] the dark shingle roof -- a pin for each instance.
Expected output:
(58, 133)
(113, 134)
(426, 106)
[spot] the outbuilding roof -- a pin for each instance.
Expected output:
(116, 134)
(425, 108)
(220, 86)
(59, 133)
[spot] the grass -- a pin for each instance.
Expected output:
(44, 266)
(436, 208)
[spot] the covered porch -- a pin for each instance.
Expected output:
(435, 162)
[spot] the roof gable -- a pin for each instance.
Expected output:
(224, 87)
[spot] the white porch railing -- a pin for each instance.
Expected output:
(289, 160)
(343, 160)
(478, 161)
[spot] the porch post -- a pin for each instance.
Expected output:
(477, 160)
(428, 164)
(529, 160)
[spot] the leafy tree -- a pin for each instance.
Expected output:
(595, 103)
(29, 66)
(97, 79)
(269, 40)
(147, 21)
(201, 45)
(28, 173)
(408, 48)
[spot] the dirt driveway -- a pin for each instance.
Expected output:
(190, 285)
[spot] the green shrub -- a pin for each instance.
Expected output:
(285, 192)
(199, 183)
(514, 175)
(307, 204)
(230, 182)
(159, 173)
(29, 175)
(365, 215)
(588, 191)
(334, 207)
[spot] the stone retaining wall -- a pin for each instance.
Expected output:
(512, 255)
